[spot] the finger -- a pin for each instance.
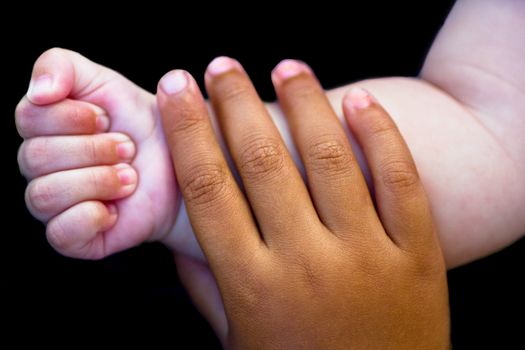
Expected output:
(43, 155)
(67, 117)
(218, 212)
(78, 231)
(401, 200)
(202, 288)
(51, 194)
(276, 191)
(59, 73)
(336, 184)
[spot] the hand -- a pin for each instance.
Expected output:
(317, 268)
(93, 149)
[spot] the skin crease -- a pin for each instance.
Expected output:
(354, 288)
(453, 129)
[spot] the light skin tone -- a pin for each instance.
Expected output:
(463, 122)
(302, 267)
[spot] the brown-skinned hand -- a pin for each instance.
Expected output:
(297, 267)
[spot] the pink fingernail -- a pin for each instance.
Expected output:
(287, 69)
(357, 99)
(41, 84)
(102, 123)
(126, 174)
(221, 65)
(126, 150)
(174, 82)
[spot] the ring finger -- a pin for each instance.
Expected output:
(277, 194)
(335, 179)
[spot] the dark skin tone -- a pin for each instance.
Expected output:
(317, 267)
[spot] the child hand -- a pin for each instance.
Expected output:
(100, 173)
(315, 267)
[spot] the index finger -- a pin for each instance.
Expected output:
(219, 213)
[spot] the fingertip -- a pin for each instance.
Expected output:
(177, 92)
(357, 100)
(174, 82)
(221, 65)
(128, 178)
(52, 78)
(288, 69)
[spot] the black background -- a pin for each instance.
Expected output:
(135, 295)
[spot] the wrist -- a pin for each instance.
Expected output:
(180, 238)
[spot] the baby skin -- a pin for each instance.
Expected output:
(101, 176)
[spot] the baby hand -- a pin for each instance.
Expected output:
(100, 173)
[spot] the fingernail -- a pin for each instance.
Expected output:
(357, 99)
(287, 69)
(39, 85)
(126, 150)
(126, 174)
(102, 123)
(221, 65)
(174, 82)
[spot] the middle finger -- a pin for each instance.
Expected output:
(276, 191)
(335, 179)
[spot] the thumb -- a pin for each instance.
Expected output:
(59, 73)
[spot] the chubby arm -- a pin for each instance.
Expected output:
(474, 188)
(479, 59)
(464, 122)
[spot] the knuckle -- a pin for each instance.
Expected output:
(429, 267)
(21, 108)
(369, 267)
(205, 184)
(33, 155)
(307, 271)
(22, 120)
(329, 155)
(381, 128)
(91, 150)
(399, 175)
(188, 122)
(39, 197)
(57, 235)
(253, 290)
(98, 177)
(304, 91)
(21, 159)
(262, 158)
(235, 91)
